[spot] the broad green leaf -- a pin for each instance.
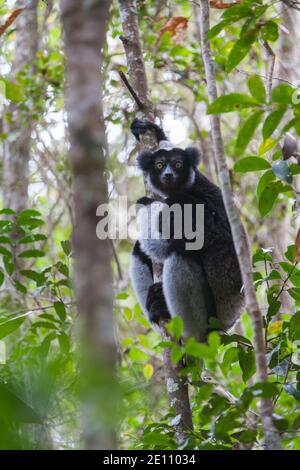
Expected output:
(257, 88)
(241, 49)
(199, 350)
(282, 170)
(5, 252)
(30, 274)
(248, 164)
(291, 390)
(60, 310)
(282, 94)
(267, 198)
(175, 326)
(294, 328)
(28, 213)
(246, 132)
(2, 277)
(247, 363)
(269, 31)
(136, 355)
(13, 409)
(8, 326)
(231, 102)
(266, 178)
(14, 92)
(272, 121)
(122, 296)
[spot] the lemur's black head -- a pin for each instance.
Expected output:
(169, 171)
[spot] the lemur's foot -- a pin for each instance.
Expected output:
(156, 304)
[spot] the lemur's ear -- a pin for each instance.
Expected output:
(145, 160)
(193, 155)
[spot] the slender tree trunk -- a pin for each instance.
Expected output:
(176, 384)
(239, 235)
(17, 126)
(84, 26)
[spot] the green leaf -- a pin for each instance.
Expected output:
(231, 102)
(272, 121)
(248, 164)
(148, 371)
(269, 31)
(267, 198)
(215, 30)
(291, 390)
(294, 328)
(14, 92)
(199, 350)
(136, 355)
(247, 362)
(241, 49)
(28, 214)
(8, 326)
(13, 409)
(33, 275)
(60, 310)
(282, 94)
(5, 252)
(31, 254)
(175, 326)
(122, 296)
(2, 277)
(257, 88)
(246, 132)
(282, 170)
(35, 237)
(265, 179)
(66, 246)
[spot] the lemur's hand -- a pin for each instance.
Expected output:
(156, 304)
(140, 126)
(145, 201)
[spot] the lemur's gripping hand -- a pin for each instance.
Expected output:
(139, 127)
(145, 201)
(156, 304)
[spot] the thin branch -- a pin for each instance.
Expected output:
(239, 235)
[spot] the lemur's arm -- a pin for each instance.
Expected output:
(139, 127)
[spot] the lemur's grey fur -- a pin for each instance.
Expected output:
(197, 284)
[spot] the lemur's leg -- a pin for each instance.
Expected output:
(188, 294)
(150, 295)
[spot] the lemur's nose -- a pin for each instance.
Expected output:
(168, 177)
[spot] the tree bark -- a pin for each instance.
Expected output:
(19, 129)
(84, 25)
(176, 384)
(240, 238)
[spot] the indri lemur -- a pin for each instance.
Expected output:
(197, 284)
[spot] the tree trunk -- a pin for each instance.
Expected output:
(176, 383)
(84, 26)
(19, 128)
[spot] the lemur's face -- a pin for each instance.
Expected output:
(171, 172)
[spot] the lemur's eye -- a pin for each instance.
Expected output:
(159, 165)
(178, 165)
